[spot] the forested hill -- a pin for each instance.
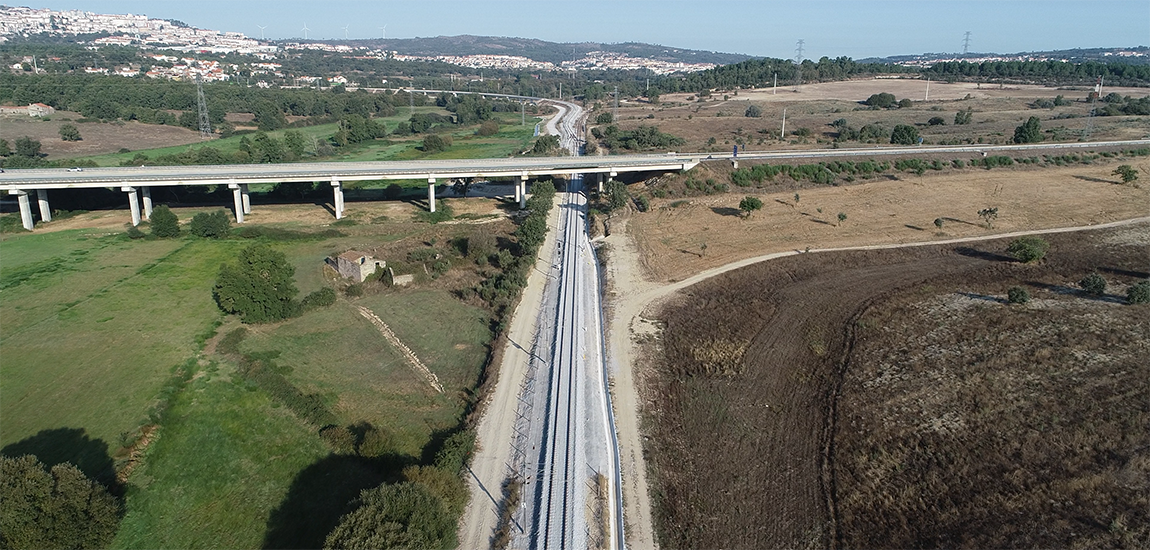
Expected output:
(762, 72)
(539, 50)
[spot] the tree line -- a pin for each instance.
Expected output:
(1063, 72)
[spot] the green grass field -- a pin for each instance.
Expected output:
(512, 137)
(93, 326)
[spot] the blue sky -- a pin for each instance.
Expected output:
(854, 28)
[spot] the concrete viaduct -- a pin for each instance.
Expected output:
(137, 182)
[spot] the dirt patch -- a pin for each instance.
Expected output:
(98, 137)
(741, 389)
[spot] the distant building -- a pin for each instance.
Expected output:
(356, 266)
(9, 110)
(39, 109)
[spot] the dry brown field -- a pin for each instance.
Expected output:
(893, 208)
(997, 111)
(891, 399)
(98, 138)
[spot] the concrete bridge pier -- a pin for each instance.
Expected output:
(431, 194)
(337, 198)
(25, 207)
(133, 203)
(237, 201)
(45, 210)
(146, 194)
(521, 191)
(246, 197)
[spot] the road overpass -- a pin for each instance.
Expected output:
(136, 182)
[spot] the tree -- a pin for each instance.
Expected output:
(883, 100)
(1029, 132)
(842, 217)
(435, 143)
(545, 145)
(904, 103)
(294, 141)
(753, 111)
(617, 195)
(5, 149)
(963, 117)
(401, 515)
(1126, 172)
(1138, 293)
(258, 287)
(1017, 295)
(938, 223)
(57, 508)
(750, 204)
(27, 147)
(164, 222)
(1093, 284)
(1028, 249)
(68, 132)
(604, 118)
(988, 215)
(212, 226)
(904, 135)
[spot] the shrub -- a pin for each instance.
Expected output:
(435, 143)
(753, 111)
(68, 132)
(403, 515)
(1029, 132)
(1017, 295)
(215, 225)
(456, 451)
(936, 121)
(1028, 249)
(750, 204)
(1093, 284)
(604, 118)
(258, 287)
(164, 222)
(321, 298)
(56, 508)
(884, 100)
(1138, 293)
(904, 135)
(354, 290)
(489, 127)
(135, 233)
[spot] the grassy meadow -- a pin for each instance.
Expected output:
(116, 339)
(513, 136)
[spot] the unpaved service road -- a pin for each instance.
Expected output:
(740, 389)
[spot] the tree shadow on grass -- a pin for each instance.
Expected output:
(72, 445)
(982, 254)
(726, 211)
(323, 492)
(1125, 272)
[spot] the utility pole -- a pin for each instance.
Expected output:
(523, 112)
(615, 113)
(783, 132)
(927, 97)
(799, 62)
(205, 121)
(775, 88)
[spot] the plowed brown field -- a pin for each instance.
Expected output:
(809, 402)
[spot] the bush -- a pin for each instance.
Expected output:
(456, 451)
(435, 143)
(1029, 132)
(216, 225)
(164, 222)
(258, 287)
(68, 132)
(936, 121)
(403, 515)
(57, 508)
(883, 100)
(604, 118)
(1028, 249)
(1093, 284)
(489, 127)
(321, 298)
(753, 111)
(749, 205)
(904, 135)
(1017, 295)
(1138, 293)
(135, 233)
